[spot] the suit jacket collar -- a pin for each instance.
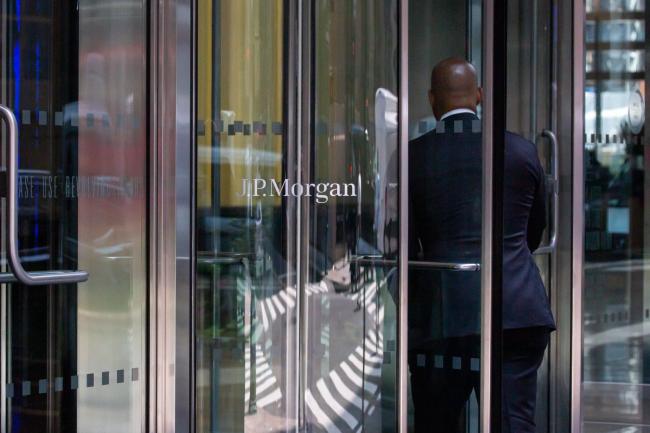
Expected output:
(451, 113)
(461, 116)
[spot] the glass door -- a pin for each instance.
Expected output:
(73, 310)
(301, 219)
(532, 114)
(446, 215)
(351, 240)
(247, 301)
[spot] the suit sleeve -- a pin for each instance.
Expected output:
(537, 218)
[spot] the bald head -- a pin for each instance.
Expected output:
(454, 85)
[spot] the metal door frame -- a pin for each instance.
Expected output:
(578, 54)
(403, 173)
(565, 352)
(171, 232)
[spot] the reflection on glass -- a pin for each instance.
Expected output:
(350, 313)
(615, 60)
(75, 356)
(615, 30)
(616, 303)
(112, 151)
(617, 6)
(245, 303)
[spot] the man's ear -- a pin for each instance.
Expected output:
(479, 96)
(432, 100)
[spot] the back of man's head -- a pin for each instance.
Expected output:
(454, 85)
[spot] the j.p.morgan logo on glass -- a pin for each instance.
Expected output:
(272, 188)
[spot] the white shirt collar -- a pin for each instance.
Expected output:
(456, 111)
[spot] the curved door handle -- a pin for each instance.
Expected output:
(555, 180)
(21, 275)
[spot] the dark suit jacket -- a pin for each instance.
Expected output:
(445, 182)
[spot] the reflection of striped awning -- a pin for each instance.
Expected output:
(340, 400)
(267, 390)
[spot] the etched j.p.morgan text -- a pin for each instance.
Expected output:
(322, 192)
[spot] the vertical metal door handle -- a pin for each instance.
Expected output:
(27, 278)
(552, 243)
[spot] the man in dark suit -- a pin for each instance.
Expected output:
(445, 182)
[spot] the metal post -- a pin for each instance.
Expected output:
(402, 308)
(578, 215)
(486, 245)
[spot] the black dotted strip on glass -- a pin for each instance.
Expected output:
(239, 127)
(448, 362)
(601, 139)
(422, 127)
(90, 120)
(59, 384)
(620, 317)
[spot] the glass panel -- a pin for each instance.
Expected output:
(445, 183)
(616, 300)
(615, 31)
(74, 356)
(615, 61)
(607, 6)
(246, 334)
(350, 314)
(445, 215)
(530, 98)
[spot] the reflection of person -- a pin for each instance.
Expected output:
(445, 225)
